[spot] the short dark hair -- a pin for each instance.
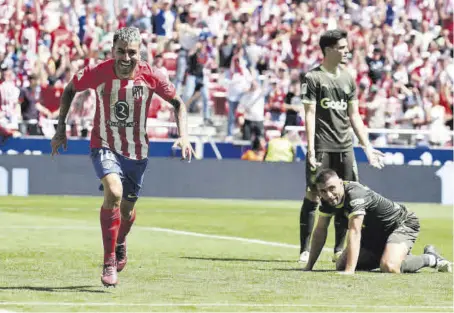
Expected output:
(331, 37)
(324, 175)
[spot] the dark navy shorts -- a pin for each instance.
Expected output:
(131, 172)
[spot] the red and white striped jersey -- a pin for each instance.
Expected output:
(122, 105)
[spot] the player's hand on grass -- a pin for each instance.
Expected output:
(346, 273)
(312, 160)
(59, 140)
(186, 148)
(375, 157)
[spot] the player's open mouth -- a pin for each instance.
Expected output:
(125, 65)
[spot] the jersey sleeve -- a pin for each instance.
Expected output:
(352, 96)
(308, 86)
(164, 88)
(358, 200)
(86, 78)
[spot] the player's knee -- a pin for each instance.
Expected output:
(112, 195)
(389, 266)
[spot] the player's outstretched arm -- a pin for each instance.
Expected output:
(59, 139)
(310, 133)
(181, 119)
(318, 240)
(374, 156)
(353, 242)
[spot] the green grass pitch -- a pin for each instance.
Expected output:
(198, 255)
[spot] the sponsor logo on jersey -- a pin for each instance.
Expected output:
(122, 124)
(327, 103)
(121, 110)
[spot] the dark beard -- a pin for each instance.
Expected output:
(123, 72)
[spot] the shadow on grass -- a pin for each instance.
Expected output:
(300, 269)
(234, 259)
(57, 289)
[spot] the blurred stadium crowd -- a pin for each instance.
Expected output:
(236, 63)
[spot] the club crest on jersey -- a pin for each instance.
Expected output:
(137, 92)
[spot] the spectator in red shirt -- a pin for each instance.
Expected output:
(276, 104)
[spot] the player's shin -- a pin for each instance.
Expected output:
(110, 225)
(125, 227)
(307, 218)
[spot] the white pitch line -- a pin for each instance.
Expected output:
(162, 230)
(194, 234)
(170, 231)
(226, 305)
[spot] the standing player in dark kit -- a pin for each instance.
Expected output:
(328, 93)
(124, 87)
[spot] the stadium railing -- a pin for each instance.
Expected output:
(200, 135)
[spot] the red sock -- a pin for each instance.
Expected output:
(125, 227)
(110, 223)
